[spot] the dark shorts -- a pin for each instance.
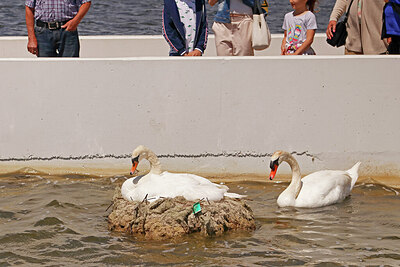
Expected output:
(57, 43)
(394, 46)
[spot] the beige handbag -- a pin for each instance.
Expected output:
(261, 37)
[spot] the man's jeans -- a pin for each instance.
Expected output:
(57, 43)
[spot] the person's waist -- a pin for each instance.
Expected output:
(238, 15)
(52, 25)
(235, 17)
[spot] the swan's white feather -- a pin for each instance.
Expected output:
(318, 189)
(166, 184)
(323, 188)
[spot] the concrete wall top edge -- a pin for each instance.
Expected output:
(211, 58)
(130, 37)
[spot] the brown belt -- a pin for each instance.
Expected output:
(236, 15)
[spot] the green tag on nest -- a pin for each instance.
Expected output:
(196, 208)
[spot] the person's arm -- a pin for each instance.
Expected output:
(307, 43)
(171, 34)
(30, 26)
(72, 25)
(203, 35)
(338, 10)
(283, 45)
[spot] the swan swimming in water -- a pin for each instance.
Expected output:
(158, 183)
(318, 189)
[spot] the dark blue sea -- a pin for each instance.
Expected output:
(135, 17)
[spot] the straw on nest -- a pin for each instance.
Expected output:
(172, 217)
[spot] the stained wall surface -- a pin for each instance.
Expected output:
(206, 115)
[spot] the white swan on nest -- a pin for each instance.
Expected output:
(158, 183)
(318, 189)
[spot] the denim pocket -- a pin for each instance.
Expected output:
(39, 30)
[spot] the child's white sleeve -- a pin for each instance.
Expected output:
(311, 22)
(284, 26)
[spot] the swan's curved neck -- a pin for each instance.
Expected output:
(294, 187)
(155, 165)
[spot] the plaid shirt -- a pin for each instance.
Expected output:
(55, 10)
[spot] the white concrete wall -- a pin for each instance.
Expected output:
(204, 115)
(144, 46)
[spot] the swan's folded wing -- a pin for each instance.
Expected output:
(324, 188)
(234, 195)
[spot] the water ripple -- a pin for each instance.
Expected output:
(365, 228)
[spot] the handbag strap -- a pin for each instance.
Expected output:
(257, 9)
(347, 13)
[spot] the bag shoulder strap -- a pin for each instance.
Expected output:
(257, 9)
(347, 13)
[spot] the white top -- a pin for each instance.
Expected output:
(296, 30)
(238, 7)
(187, 14)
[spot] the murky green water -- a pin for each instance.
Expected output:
(53, 221)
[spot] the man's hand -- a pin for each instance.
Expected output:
(331, 29)
(71, 25)
(32, 45)
(212, 2)
(195, 53)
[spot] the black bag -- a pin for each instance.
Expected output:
(339, 36)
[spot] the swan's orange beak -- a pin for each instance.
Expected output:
(273, 172)
(274, 167)
(134, 166)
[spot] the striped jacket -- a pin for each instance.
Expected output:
(174, 31)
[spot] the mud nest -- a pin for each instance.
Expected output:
(167, 218)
